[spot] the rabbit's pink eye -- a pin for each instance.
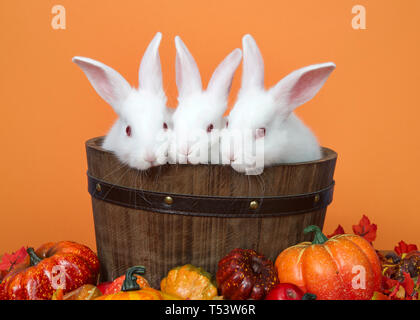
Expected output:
(210, 127)
(128, 131)
(260, 133)
(227, 124)
(165, 125)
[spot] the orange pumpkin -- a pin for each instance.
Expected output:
(189, 282)
(43, 270)
(345, 267)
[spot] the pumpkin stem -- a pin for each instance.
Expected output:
(319, 237)
(33, 257)
(130, 282)
(309, 296)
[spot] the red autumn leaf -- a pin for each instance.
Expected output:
(408, 284)
(400, 290)
(8, 261)
(404, 248)
(337, 231)
(365, 229)
(395, 291)
(389, 283)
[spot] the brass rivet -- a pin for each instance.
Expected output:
(98, 187)
(317, 197)
(168, 200)
(253, 205)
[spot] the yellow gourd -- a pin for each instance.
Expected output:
(190, 283)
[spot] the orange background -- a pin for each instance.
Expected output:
(368, 111)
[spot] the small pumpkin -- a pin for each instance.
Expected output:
(140, 294)
(131, 290)
(41, 273)
(189, 282)
(344, 267)
(116, 285)
(245, 274)
(85, 292)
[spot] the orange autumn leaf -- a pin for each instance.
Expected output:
(379, 296)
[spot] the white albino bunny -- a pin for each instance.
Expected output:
(268, 114)
(139, 137)
(198, 118)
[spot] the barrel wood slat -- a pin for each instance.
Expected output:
(127, 236)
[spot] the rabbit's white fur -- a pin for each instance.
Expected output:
(287, 139)
(143, 109)
(198, 108)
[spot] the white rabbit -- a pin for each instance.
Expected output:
(198, 118)
(259, 113)
(140, 136)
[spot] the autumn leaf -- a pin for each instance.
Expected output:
(379, 296)
(58, 294)
(388, 283)
(404, 248)
(365, 229)
(408, 284)
(337, 231)
(401, 290)
(8, 261)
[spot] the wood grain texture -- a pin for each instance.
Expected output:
(126, 237)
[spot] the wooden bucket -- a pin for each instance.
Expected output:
(178, 214)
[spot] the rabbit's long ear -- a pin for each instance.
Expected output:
(150, 72)
(301, 85)
(253, 64)
(221, 80)
(188, 79)
(107, 82)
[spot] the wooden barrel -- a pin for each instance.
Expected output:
(177, 214)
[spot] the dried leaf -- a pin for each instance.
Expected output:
(400, 294)
(404, 248)
(58, 294)
(8, 261)
(365, 229)
(389, 283)
(408, 284)
(379, 296)
(337, 231)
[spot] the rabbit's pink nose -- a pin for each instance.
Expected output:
(150, 157)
